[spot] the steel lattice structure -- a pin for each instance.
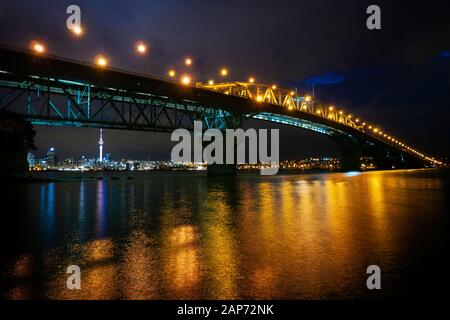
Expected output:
(59, 92)
(289, 99)
(50, 101)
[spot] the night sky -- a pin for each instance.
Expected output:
(397, 77)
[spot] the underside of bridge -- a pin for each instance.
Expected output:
(57, 92)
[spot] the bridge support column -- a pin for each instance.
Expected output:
(215, 170)
(350, 153)
(389, 159)
(224, 169)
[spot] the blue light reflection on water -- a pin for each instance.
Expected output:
(352, 173)
(101, 209)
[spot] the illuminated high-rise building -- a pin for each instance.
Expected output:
(31, 159)
(51, 157)
(100, 144)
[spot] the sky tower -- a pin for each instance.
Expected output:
(100, 145)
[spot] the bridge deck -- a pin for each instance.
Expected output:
(17, 66)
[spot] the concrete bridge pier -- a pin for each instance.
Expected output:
(217, 170)
(350, 152)
(224, 169)
(388, 159)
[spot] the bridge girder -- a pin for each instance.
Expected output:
(49, 101)
(48, 90)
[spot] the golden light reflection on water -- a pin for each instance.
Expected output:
(138, 267)
(99, 272)
(218, 240)
(21, 269)
(182, 263)
(250, 237)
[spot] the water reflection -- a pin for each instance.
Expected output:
(190, 237)
(101, 210)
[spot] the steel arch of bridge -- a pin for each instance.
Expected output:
(289, 99)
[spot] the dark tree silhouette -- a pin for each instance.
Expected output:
(16, 139)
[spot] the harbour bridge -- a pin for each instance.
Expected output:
(49, 90)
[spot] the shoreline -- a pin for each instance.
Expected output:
(70, 176)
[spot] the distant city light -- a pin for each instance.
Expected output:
(307, 98)
(211, 82)
(251, 80)
(274, 87)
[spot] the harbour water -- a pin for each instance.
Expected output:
(186, 236)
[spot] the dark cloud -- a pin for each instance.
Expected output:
(326, 78)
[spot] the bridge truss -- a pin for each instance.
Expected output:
(272, 94)
(286, 98)
(57, 102)
(59, 92)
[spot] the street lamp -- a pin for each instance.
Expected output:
(186, 80)
(224, 72)
(77, 30)
(141, 48)
(188, 61)
(37, 47)
(101, 61)
(172, 73)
